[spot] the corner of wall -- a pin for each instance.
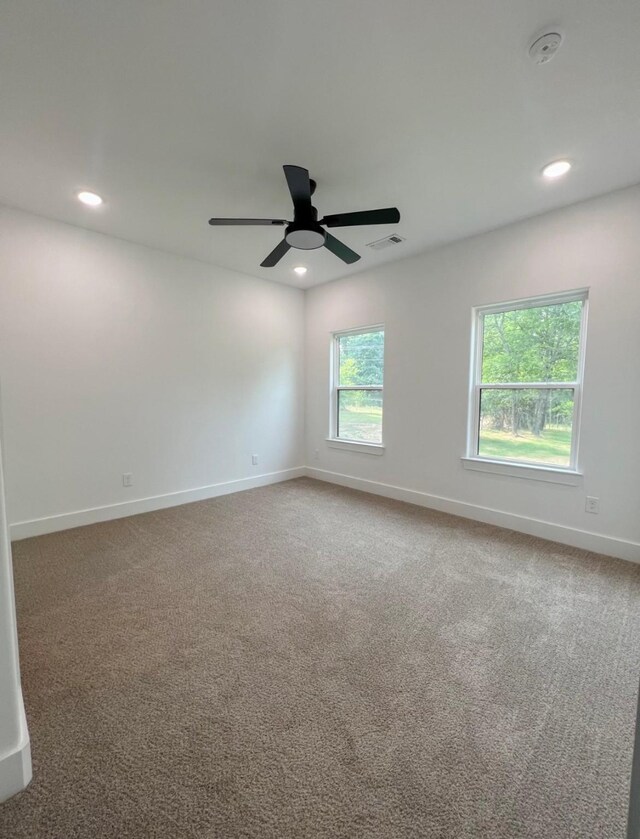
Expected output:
(15, 765)
(15, 751)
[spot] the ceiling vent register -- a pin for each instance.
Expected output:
(387, 242)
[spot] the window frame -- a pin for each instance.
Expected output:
(344, 442)
(524, 468)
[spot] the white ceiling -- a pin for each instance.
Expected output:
(177, 110)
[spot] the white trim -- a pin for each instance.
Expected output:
(529, 385)
(584, 539)
(570, 477)
(531, 302)
(355, 446)
(15, 765)
(359, 330)
(577, 395)
(359, 387)
(64, 521)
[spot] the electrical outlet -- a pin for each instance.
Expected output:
(254, 459)
(127, 479)
(592, 504)
(316, 454)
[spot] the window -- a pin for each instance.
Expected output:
(358, 364)
(527, 381)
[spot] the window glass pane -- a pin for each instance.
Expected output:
(540, 344)
(360, 415)
(361, 358)
(526, 424)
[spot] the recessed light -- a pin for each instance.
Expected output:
(556, 169)
(91, 199)
(300, 270)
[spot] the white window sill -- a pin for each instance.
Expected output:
(550, 474)
(353, 446)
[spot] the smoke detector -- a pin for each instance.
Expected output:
(544, 48)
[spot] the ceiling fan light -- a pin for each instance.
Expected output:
(305, 238)
(300, 270)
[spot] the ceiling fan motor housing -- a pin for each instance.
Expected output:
(305, 232)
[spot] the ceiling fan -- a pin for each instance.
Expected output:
(305, 231)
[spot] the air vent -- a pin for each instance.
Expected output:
(387, 242)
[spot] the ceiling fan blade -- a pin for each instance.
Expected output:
(299, 186)
(388, 215)
(340, 249)
(276, 254)
(217, 221)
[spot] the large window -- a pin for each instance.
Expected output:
(358, 365)
(527, 381)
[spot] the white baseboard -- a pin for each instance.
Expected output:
(609, 545)
(64, 521)
(15, 765)
(584, 539)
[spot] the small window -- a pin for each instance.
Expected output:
(527, 381)
(358, 366)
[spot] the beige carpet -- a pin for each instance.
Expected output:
(307, 661)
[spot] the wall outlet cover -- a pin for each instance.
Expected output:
(592, 504)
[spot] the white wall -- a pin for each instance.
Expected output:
(118, 358)
(425, 303)
(15, 753)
